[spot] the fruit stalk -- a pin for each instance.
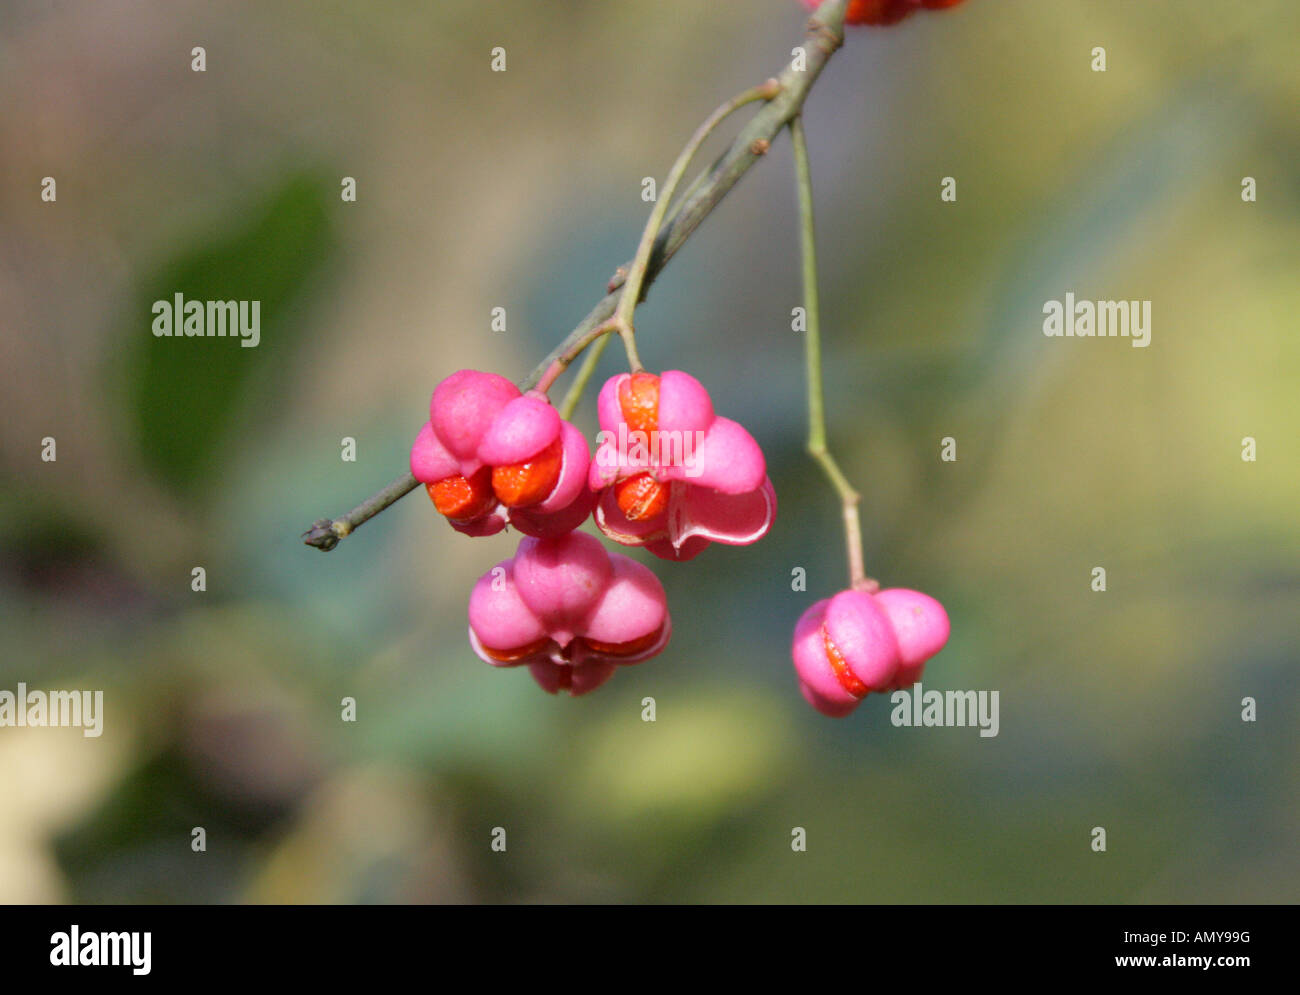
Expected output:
(817, 447)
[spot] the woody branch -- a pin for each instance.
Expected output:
(824, 34)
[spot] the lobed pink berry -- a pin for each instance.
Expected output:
(670, 474)
(921, 627)
(855, 643)
(568, 610)
(489, 455)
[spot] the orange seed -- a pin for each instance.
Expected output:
(519, 485)
(641, 497)
(638, 396)
(463, 499)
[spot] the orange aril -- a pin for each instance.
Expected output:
(641, 497)
(629, 648)
(638, 397)
(518, 485)
(463, 499)
(848, 680)
(510, 656)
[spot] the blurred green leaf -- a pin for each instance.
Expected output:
(185, 396)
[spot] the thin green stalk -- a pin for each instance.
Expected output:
(588, 367)
(690, 190)
(622, 319)
(634, 275)
(813, 361)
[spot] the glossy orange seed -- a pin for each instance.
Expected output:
(519, 485)
(638, 397)
(641, 497)
(463, 499)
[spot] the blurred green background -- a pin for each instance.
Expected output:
(522, 190)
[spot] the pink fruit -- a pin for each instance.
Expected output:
(491, 456)
(570, 611)
(671, 475)
(855, 643)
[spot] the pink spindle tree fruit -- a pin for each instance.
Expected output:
(569, 611)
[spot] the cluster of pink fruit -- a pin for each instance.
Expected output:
(669, 475)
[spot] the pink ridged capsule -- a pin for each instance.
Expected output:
(490, 456)
(670, 474)
(855, 643)
(921, 626)
(568, 610)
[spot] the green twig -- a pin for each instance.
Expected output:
(813, 361)
(622, 320)
(325, 533)
(633, 275)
